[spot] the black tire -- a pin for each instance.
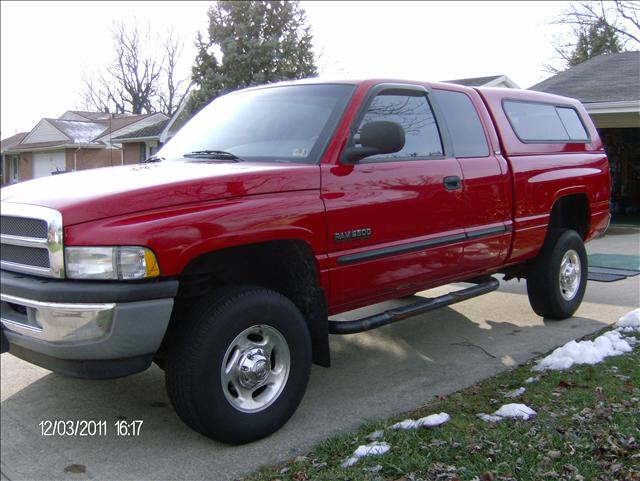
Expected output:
(548, 296)
(194, 368)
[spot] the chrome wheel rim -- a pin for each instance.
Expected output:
(255, 368)
(570, 275)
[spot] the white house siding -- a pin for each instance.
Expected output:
(43, 132)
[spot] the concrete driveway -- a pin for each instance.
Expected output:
(374, 375)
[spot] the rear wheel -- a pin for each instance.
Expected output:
(557, 278)
(238, 370)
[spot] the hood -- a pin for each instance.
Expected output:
(111, 191)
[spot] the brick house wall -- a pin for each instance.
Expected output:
(91, 158)
(26, 166)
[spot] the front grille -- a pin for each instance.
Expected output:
(28, 256)
(23, 227)
(31, 240)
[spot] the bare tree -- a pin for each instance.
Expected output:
(615, 25)
(623, 17)
(141, 77)
(172, 92)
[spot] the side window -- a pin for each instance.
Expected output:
(538, 122)
(572, 123)
(413, 112)
(463, 122)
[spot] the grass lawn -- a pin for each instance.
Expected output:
(587, 428)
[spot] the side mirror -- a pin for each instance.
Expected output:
(382, 137)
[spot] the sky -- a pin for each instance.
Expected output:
(46, 46)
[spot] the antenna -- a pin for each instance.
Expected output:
(110, 144)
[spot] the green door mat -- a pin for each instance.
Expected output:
(615, 261)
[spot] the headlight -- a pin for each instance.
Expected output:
(122, 263)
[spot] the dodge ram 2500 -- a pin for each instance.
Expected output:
(223, 257)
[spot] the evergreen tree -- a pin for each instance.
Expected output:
(595, 40)
(258, 42)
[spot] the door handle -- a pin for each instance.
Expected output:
(453, 182)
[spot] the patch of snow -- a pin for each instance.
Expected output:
(430, 421)
(515, 393)
(81, 132)
(433, 420)
(371, 449)
(610, 343)
(375, 436)
(406, 424)
(530, 380)
(489, 418)
(630, 319)
(520, 411)
(627, 329)
(349, 462)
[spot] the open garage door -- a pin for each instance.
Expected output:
(45, 163)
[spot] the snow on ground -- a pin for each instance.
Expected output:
(375, 436)
(611, 343)
(371, 449)
(427, 422)
(515, 393)
(520, 411)
(630, 321)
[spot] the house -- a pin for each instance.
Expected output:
(76, 140)
(141, 143)
(609, 87)
(492, 81)
(10, 164)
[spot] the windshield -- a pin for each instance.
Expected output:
(280, 124)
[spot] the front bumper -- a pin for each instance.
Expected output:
(85, 329)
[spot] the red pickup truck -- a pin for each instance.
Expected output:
(222, 258)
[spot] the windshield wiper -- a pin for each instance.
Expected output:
(153, 158)
(211, 154)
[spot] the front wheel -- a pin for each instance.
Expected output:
(240, 367)
(557, 278)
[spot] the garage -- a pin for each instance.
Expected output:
(46, 163)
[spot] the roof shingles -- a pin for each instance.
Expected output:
(153, 130)
(605, 78)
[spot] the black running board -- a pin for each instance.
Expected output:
(420, 307)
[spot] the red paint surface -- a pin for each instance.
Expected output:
(182, 210)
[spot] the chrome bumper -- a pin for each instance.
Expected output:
(56, 322)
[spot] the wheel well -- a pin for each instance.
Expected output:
(286, 266)
(571, 212)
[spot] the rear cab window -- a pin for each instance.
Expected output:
(465, 127)
(536, 122)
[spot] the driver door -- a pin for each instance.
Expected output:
(395, 221)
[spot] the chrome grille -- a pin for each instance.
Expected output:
(21, 226)
(31, 238)
(29, 256)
